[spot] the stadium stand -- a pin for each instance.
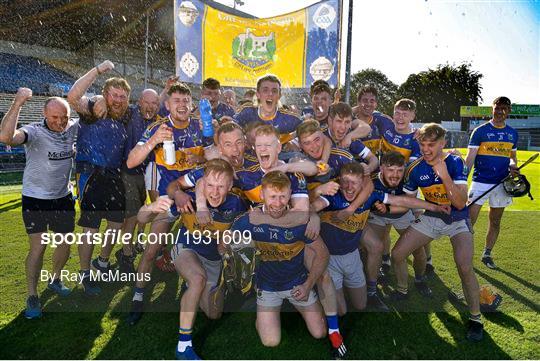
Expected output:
(17, 71)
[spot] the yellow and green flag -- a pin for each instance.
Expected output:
(299, 47)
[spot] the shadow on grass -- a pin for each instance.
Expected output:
(8, 207)
(68, 328)
(525, 283)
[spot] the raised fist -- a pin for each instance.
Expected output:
(105, 66)
(23, 94)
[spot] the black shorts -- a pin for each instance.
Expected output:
(40, 215)
(102, 196)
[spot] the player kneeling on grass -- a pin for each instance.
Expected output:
(342, 237)
(443, 180)
(281, 273)
(196, 254)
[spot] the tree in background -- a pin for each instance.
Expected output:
(440, 92)
(386, 88)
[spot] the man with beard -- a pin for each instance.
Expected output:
(144, 113)
(100, 154)
(443, 180)
(281, 273)
(47, 202)
(342, 237)
(389, 180)
(189, 145)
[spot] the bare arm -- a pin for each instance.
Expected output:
(149, 212)
(8, 132)
(170, 81)
(404, 202)
(471, 156)
(373, 163)
(305, 167)
(457, 193)
(320, 261)
(141, 151)
(360, 129)
(327, 148)
(76, 96)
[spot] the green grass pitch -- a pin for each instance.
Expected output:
(76, 327)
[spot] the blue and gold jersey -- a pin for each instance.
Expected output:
(495, 146)
(338, 158)
(249, 181)
(373, 139)
(281, 265)
(204, 239)
(342, 237)
(379, 185)
(188, 139)
(419, 174)
(102, 142)
(222, 110)
(405, 144)
(357, 148)
(284, 121)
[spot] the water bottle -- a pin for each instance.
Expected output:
(206, 117)
(170, 154)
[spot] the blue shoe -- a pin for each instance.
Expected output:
(188, 354)
(59, 288)
(33, 308)
(90, 287)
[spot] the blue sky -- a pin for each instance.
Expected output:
(501, 39)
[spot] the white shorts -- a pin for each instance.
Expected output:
(275, 298)
(435, 228)
(151, 177)
(400, 223)
(347, 270)
(498, 198)
(212, 268)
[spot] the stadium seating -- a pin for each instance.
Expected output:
(32, 111)
(17, 71)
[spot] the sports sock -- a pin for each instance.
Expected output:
(429, 261)
(103, 262)
(476, 318)
(85, 273)
(403, 290)
(139, 294)
(371, 288)
(386, 258)
(487, 252)
(184, 339)
(332, 322)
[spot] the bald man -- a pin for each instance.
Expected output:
(229, 98)
(47, 202)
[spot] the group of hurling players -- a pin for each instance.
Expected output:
(313, 194)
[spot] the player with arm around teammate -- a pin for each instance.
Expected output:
(443, 180)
